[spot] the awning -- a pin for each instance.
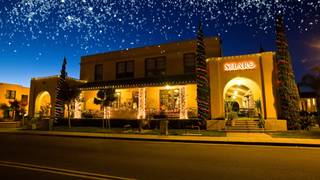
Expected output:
(140, 82)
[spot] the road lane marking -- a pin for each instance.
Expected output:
(66, 172)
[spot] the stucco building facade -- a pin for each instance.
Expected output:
(11, 92)
(161, 78)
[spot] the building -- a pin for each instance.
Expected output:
(244, 79)
(308, 99)
(11, 92)
(43, 95)
(147, 79)
(161, 78)
(308, 102)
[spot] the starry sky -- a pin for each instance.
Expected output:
(35, 35)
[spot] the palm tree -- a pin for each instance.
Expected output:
(313, 81)
(105, 98)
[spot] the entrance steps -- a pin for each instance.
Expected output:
(244, 125)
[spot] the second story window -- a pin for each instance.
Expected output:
(10, 94)
(189, 63)
(98, 72)
(155, 66)
(125, 70)
(24, 99)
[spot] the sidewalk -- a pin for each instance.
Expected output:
(231, 138)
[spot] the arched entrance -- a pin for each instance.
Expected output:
(43, 104)
(242, 98)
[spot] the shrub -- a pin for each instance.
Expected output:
(307, 120)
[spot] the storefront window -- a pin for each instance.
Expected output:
(116, 103)
(169, 101)
(126, 100)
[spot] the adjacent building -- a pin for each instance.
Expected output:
(10, 93)
(308, 102)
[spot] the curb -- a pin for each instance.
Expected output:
(104, 136)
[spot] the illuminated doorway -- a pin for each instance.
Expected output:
(242, 99)
(43, 104)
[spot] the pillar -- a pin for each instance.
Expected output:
(78, 107)
(142, 104)
(183, 109)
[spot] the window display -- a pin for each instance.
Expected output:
(169, 101)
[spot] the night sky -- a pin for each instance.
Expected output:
(35, 35)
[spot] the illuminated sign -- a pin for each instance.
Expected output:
(238, 66)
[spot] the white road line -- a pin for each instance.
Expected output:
(66, 172)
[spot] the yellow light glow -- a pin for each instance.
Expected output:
(236, 66)
(239, 82)
(167, 87)
(309, 103)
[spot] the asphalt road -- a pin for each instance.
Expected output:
(154, 160)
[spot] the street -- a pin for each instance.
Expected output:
(153, 160)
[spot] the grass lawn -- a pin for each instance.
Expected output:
(312, 134)
(177, 132)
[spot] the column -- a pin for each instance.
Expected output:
(183, 109)
(142, 104)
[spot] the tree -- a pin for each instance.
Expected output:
(203, 93)
(69, 95)
(287, 90)
(6, 110)
(258, 105)
(61, 87)
(313, 81)
(15, 107)
(105, 98)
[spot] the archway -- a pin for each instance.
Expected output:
(242, 98)
(43, 104)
